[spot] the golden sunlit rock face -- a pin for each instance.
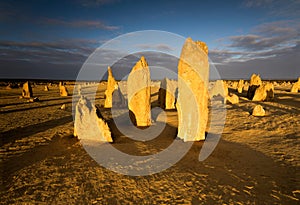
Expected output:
(264, 92)
(232, 99)
(255, 82)
(296, 86)
(192, 104)
(63, 91)
(240, 86)
(46, 88)
(87, 125)
(258, 111)
(27, 90)
(111, 86)
(138, 91)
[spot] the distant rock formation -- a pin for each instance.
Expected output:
(246, 86)
(255, 82)
(219, 88)
(167, 93)
(258, 111)
(138, 92)
(264, 92)
(234, 85)
(111, 86)
(87, 124)
(232, 99)
(79, 89)
(46, 88)
(27, 90)
(240, 86)
(269, 88)
(63, 107)
(11, 86)
(192, 104)
(63, 91)
(296, 86)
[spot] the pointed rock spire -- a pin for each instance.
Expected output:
(138, 91)
(112, 85)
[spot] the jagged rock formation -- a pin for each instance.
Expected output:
(234, 85)
(269, 88)
(192, 104)
(138, 91)
(111, 86)
(232, 99)
(11, 86)
(220, 88)
(46, 88)
(296, 86)
(258, 111)
(63, 91)
(87, 124)
(240, 86)
(246, 86)
(27, 90)
(167, 94)
(264, 92)
(255, 82)
(61, 83)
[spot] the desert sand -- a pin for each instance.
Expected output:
(256, 161)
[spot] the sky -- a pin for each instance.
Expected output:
(53, 39)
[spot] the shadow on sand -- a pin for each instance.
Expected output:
(19, 133)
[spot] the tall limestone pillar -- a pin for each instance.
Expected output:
(112, 85)
(138, 92)
(192, 104)
(27, 90)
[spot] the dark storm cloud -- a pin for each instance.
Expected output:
(61, 59)
(271, 49)
(268, 36)
(64, 59)
(92, 24)
(272, 68)
(161, 65)
(158, 47)
(252, 42)
(64, 52)
(268, 40)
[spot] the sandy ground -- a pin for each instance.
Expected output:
(256, 161)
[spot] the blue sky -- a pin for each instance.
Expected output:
(52, 39)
